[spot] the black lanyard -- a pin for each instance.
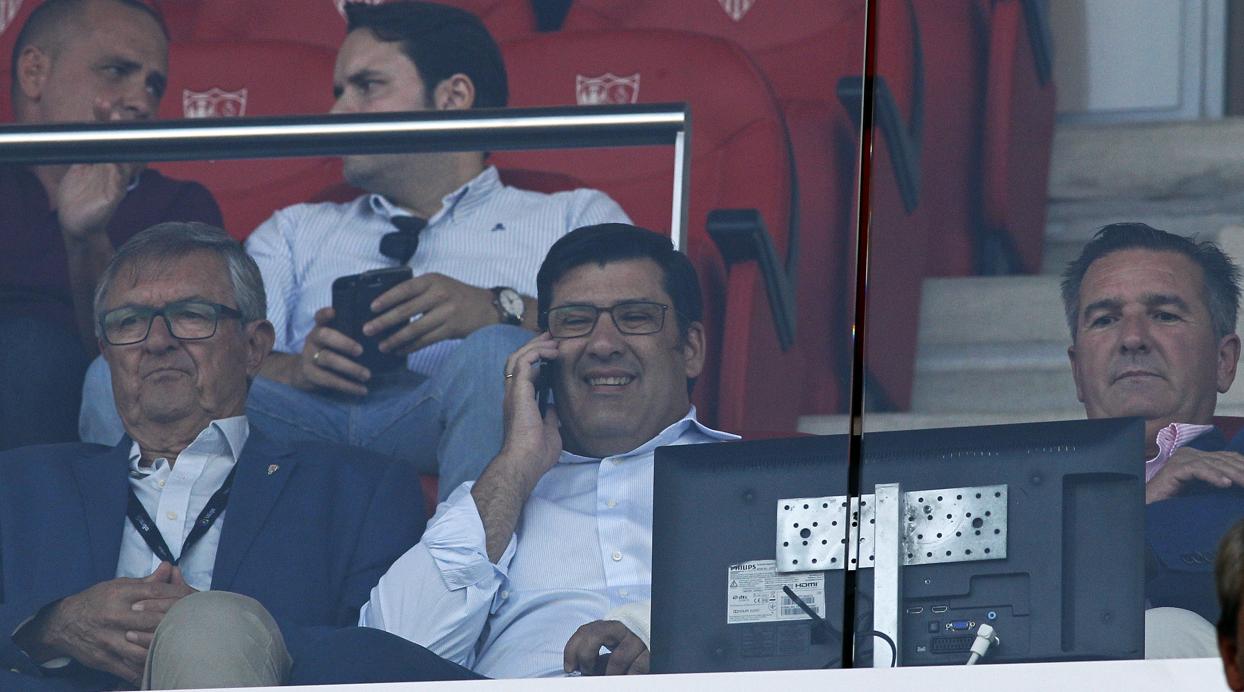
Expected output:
(146, 527)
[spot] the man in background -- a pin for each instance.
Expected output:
(1152, 318)
(74, 61)
(473, 243)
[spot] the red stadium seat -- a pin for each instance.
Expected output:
(251, 78)
(738, 139)
(320, 22)
(806, 48)
(1019, 131)
(12, 16)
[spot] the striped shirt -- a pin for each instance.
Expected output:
(486, 234)
(1171, 438)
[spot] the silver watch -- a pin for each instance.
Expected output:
(509, 304)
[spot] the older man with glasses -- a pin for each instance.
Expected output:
(100, 546)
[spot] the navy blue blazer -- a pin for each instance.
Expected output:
(309, 529)
(1182, 534)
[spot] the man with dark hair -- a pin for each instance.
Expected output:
(1152, 318)
(474, 245)
(573, 488)
(98, 544)
(74, 61)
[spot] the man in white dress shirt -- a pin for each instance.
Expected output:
(474, 245)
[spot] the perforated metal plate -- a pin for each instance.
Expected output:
(955, 525)
(810, 533)
(940, 525)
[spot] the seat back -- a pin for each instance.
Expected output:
(318, 22)
(801, 45)
(251, 78)
(737, 139)
(1019, 131)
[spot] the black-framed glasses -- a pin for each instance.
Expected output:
(402, 243)
(633, 317)
(187, 320)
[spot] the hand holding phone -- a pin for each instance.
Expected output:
(352, 299)
(544, 385)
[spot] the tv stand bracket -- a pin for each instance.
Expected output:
(939, 525)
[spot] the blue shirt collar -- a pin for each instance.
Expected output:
(472, 194)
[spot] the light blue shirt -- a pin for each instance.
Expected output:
(175, 494)
(582, 547)
(486, 234)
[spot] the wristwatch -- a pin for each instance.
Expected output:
(509, 305)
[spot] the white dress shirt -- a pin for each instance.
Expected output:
(582, 547)
(486, 234)
(175, 494)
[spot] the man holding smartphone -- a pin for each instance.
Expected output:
(474, 246)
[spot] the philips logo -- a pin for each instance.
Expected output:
(741, 568)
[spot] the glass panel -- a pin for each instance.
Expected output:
(1005, 135)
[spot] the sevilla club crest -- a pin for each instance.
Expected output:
(8, 10)
(607, 89)
(213, 103)
(736, 8)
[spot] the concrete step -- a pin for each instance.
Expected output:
(1068, 230)
(991, 309)
(1007, 378)
(1152, 161)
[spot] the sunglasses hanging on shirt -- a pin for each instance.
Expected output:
(401, 244)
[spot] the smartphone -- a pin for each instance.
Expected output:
(544, 385)
(352, 298)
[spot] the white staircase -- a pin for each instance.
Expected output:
(994, 349)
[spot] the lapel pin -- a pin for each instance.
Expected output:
(272, 468)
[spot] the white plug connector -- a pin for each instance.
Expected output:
(985, 638)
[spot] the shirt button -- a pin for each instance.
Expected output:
(615, 462)
(617, 556)
(612, 503)
(505, 594)
(172, 515)
(161, 484)
(623, 593)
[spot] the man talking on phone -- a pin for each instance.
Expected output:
(474, 246)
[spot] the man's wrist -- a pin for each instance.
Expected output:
(88, 241)
(32, 636)
(510, 306)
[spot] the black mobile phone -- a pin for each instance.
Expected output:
(544, 385)
(352, 298)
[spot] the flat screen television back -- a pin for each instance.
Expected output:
(1070, 587)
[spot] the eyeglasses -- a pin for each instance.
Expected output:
(633, 317)
(187, 320)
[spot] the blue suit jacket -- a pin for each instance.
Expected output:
(1182, 534)
(309, 529)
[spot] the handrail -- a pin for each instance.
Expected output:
(494, 129)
